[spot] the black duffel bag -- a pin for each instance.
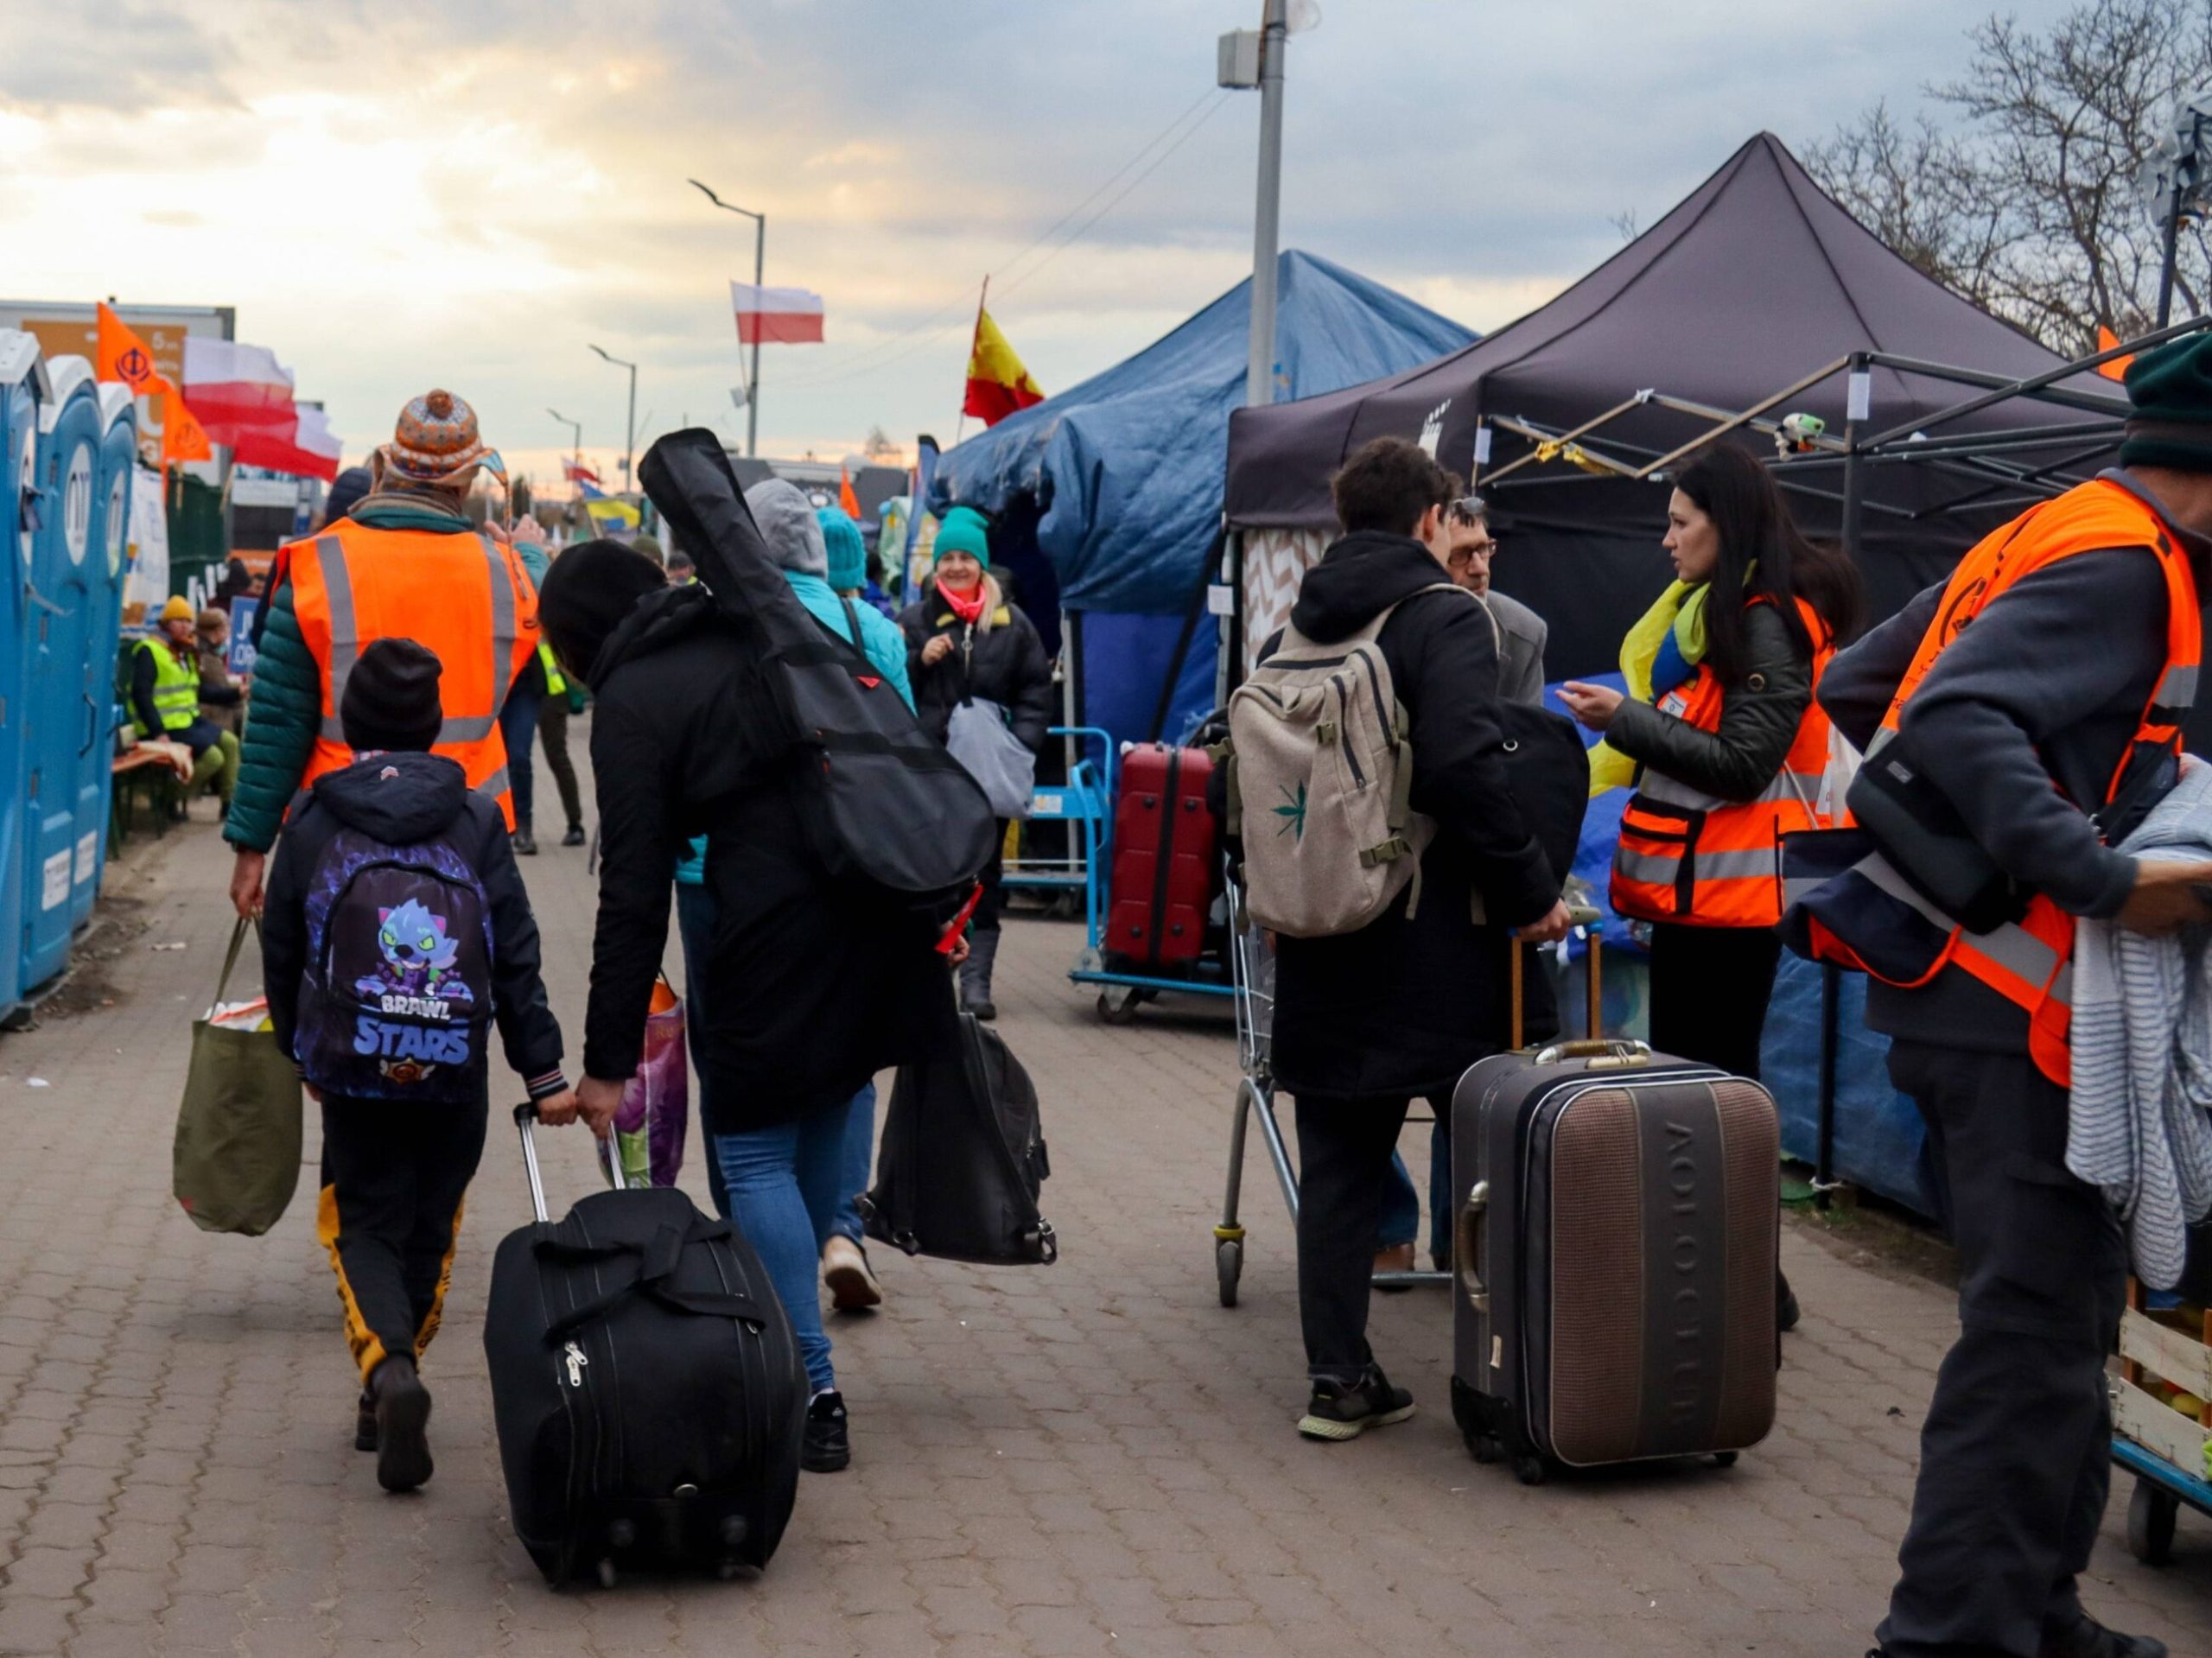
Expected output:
(645, 1384)
(963, 1159)
(881, 800)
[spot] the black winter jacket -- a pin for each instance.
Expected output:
(402, 798)
(1759, 716)
(1006, 662)
(1404, 1006)
(809, 990)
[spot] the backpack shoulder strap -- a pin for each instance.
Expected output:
(852, 618)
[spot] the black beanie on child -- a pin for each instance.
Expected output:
(391, 700)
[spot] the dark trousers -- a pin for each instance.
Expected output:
(1344, 1158)
(393, 1179)
(518, 731)
(2015, 1455)
(553, 726)
(1709, 990)
(988, 907)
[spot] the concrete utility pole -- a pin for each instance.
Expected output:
(1249, 59)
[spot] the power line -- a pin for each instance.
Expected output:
(869, 360)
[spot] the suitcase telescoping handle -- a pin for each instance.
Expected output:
(526, 1121)
(1580, 915)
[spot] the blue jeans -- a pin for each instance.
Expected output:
(780, 1185)
(860, 1147)
(518, 731)
(1399, 1221)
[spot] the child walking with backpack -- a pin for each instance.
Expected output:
(397, 932)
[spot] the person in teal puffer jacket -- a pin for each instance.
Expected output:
(816, 552)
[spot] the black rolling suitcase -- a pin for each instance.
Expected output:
(1615, 1231)
(646, 1386)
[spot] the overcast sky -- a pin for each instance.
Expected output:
(468, 194)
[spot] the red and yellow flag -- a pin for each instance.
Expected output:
(124, 356)
(183, 436)
(998, 385)
(2116, 369)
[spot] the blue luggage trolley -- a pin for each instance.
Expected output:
(2164, 1449)
(1085, 804)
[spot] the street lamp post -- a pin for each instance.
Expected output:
(577, 427)
(630, 442)
(1254, 59)
(759, 265)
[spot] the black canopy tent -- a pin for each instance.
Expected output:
(1757, 297)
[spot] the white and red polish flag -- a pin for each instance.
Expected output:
(305, 446)
(577, 473)
(243, 397)
(776, 316)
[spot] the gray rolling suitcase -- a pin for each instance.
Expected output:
(1616, 1231)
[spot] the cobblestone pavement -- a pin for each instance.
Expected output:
(1093, 1457)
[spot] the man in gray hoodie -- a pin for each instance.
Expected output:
(2057, 684)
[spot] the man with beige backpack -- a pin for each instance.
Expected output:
(1376, 824)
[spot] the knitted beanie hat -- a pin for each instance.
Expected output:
(179, 609)
(963, 530)
(435, 442)
(848, 554)
(391, 700)
(2171, 422)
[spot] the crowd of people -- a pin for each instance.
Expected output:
(411, 661)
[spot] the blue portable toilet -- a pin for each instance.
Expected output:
(114, 464)
(23, 388)
(66, 700)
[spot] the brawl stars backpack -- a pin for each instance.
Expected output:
(397, 1004)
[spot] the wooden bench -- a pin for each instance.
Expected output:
(133, 766)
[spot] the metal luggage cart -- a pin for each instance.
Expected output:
(1252, 966)
(2164, 1449)
(1085, 804)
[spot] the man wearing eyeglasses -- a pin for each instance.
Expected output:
(1520, 666)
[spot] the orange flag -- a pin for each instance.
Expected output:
(2116, 369)
(998, 385)
(182, 438)
(846, 498)
(124, 356)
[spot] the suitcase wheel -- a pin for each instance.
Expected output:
(1483, 1449)
(1118, 1004)
(622, 1534)
(1529, 1470)
(1724, 1459)
(730, 1568)
(606, 1574)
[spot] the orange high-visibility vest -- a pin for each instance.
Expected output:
(1692, 857)
(2028, 961)
(463, 596)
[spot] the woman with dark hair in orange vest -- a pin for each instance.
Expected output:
(1729, 755)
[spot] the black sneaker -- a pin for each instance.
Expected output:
(402, 1413)
(523, 843)
(1338, 1412)
(2087, 1638)
(826, 1449)
(365, 1422)
(575, 836)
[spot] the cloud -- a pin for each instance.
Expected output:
(108, 54)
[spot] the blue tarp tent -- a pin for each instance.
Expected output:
(1107, 496)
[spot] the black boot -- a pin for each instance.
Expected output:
(402, 1413)
(1785, 1303)
(575, 836)
(524, 845)
(365, 1422)
(826, 1449)
(2087, 1638)
(976, 975)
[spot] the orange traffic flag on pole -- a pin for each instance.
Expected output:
(846, 498)
(998, 385)
(2116, 369)
(124, 356)
(183, 436)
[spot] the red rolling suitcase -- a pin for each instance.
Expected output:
(1166, 858)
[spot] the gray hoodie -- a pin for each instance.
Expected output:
(788, 525)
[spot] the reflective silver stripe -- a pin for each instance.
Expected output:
(345, 630)
(503, 637)
(1660, 870)
(2178, 688)
(1796, 787)
(495, 785)
(1649, 868)
(2012, 947)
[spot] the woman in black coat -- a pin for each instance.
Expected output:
(964, 640)
(810, 989)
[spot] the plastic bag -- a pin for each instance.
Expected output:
(655, 1109)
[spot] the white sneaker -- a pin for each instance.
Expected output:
(844, 1269)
